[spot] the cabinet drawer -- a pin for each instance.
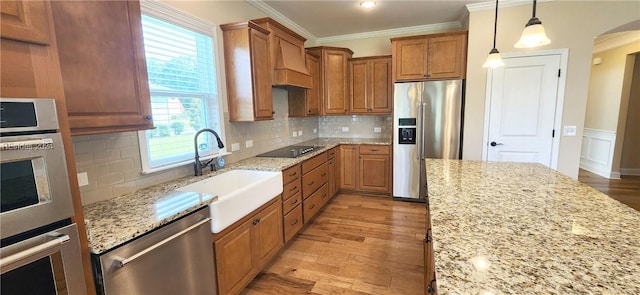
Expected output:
(314, 162)
(314, 179)
(312, 205)
(291, 174)
(331, 153)
(291, 203)
(293, 222)
(289, 190)
(375, 149)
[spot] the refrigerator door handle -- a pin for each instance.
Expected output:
(419, 134)
(423, 110)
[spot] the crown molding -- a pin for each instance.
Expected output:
(279, 17)
(391, 32)
(616, 42)
(501, 4)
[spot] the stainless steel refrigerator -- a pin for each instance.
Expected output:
(427, 123)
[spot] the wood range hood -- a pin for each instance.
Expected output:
(287, 55)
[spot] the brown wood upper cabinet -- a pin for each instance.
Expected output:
(334, 83)
(246, 55)
(427, 57)
(103, 65)
(371, 90)
(26, 21)
(306, 102)
(287, 55)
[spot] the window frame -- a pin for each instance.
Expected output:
(187, 21)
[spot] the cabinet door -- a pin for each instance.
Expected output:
(26, 21)
(360, 88)
(429, 265)
(260, 74)
(313, 94)
(234, 262)
(373, 173)
(348, 167)
(410, 59)
(103, 65)
(331, 182)
(268, 233)
(447, 55)
(335, 82)
(381, 89)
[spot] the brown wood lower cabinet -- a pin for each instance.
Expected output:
(245, 247)
(348, 156)
(365, 168)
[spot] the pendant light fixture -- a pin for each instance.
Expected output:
(494, 59)
(533, 34)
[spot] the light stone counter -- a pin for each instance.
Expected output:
(116, 221)
(514, 228)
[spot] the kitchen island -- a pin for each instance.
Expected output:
(515, 228)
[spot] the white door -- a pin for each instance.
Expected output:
(522, 109)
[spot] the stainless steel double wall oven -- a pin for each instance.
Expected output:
(40, 250)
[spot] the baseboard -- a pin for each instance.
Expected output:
(596, 169)
(630, 171)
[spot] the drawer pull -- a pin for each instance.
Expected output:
(294, 202)
(294, 222)
(324, 196)
(256, 221)
(293, 188)
(311, 183)
(312, 206)
(294, 174)
(374, 150)
(324, 174)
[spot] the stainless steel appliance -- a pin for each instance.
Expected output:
(174, 259)
(427, 123)
(40, 250)
(292, 151)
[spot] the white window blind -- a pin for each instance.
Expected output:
(184, 92)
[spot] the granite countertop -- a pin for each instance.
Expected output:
(515, 228)
(116, 221)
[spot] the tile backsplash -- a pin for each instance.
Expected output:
(113, 166)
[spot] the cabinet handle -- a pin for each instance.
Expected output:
(255, 222)
(324, 196)
(324, 174)
(294, 174)
(293, 188)
(311, 183)
(374, 150)
(309, 111)
(312, 206)
(148, 117)
(295, 202)
(294, 222)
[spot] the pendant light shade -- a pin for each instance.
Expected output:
(494, 59)
(533, 34)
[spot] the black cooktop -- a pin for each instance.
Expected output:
(292, 151)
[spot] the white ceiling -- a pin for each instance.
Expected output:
(331, 18)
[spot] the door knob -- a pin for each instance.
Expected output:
(493, 143)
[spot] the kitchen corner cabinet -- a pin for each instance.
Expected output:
(429, 57)
(306, 102)
(245, 247)
(371, 90)
(103, 65)
(248, 72)
(334, 79)
(374, 168)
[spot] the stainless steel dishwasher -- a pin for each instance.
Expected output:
(174, 259)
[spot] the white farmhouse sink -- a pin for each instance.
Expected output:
(239, 192)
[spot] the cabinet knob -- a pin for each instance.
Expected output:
(256, 221)
(273, 112)
(308, 111)
(148, 117)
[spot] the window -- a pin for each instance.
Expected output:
(183, 85)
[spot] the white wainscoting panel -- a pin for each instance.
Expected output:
(597, 152)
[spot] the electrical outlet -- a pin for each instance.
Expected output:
(294, 134)
(248, 143)
(299, 132)
(377, 129)
(345, 129)
(354, 118)
(569, 130)
(315, 130)
(235, 147)
(83, 179)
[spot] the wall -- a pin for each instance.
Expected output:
(630, 163)
(605, 88)
(569, 24)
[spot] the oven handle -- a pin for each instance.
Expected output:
(13, 145)
(44, 247)
(124, 261)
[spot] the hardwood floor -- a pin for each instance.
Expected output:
(357, 245)
(625, 190)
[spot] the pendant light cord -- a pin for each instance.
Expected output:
(495, 25)
(534, 8)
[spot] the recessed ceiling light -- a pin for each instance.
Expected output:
(368, 4)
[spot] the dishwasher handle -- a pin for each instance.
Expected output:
(124, 261)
